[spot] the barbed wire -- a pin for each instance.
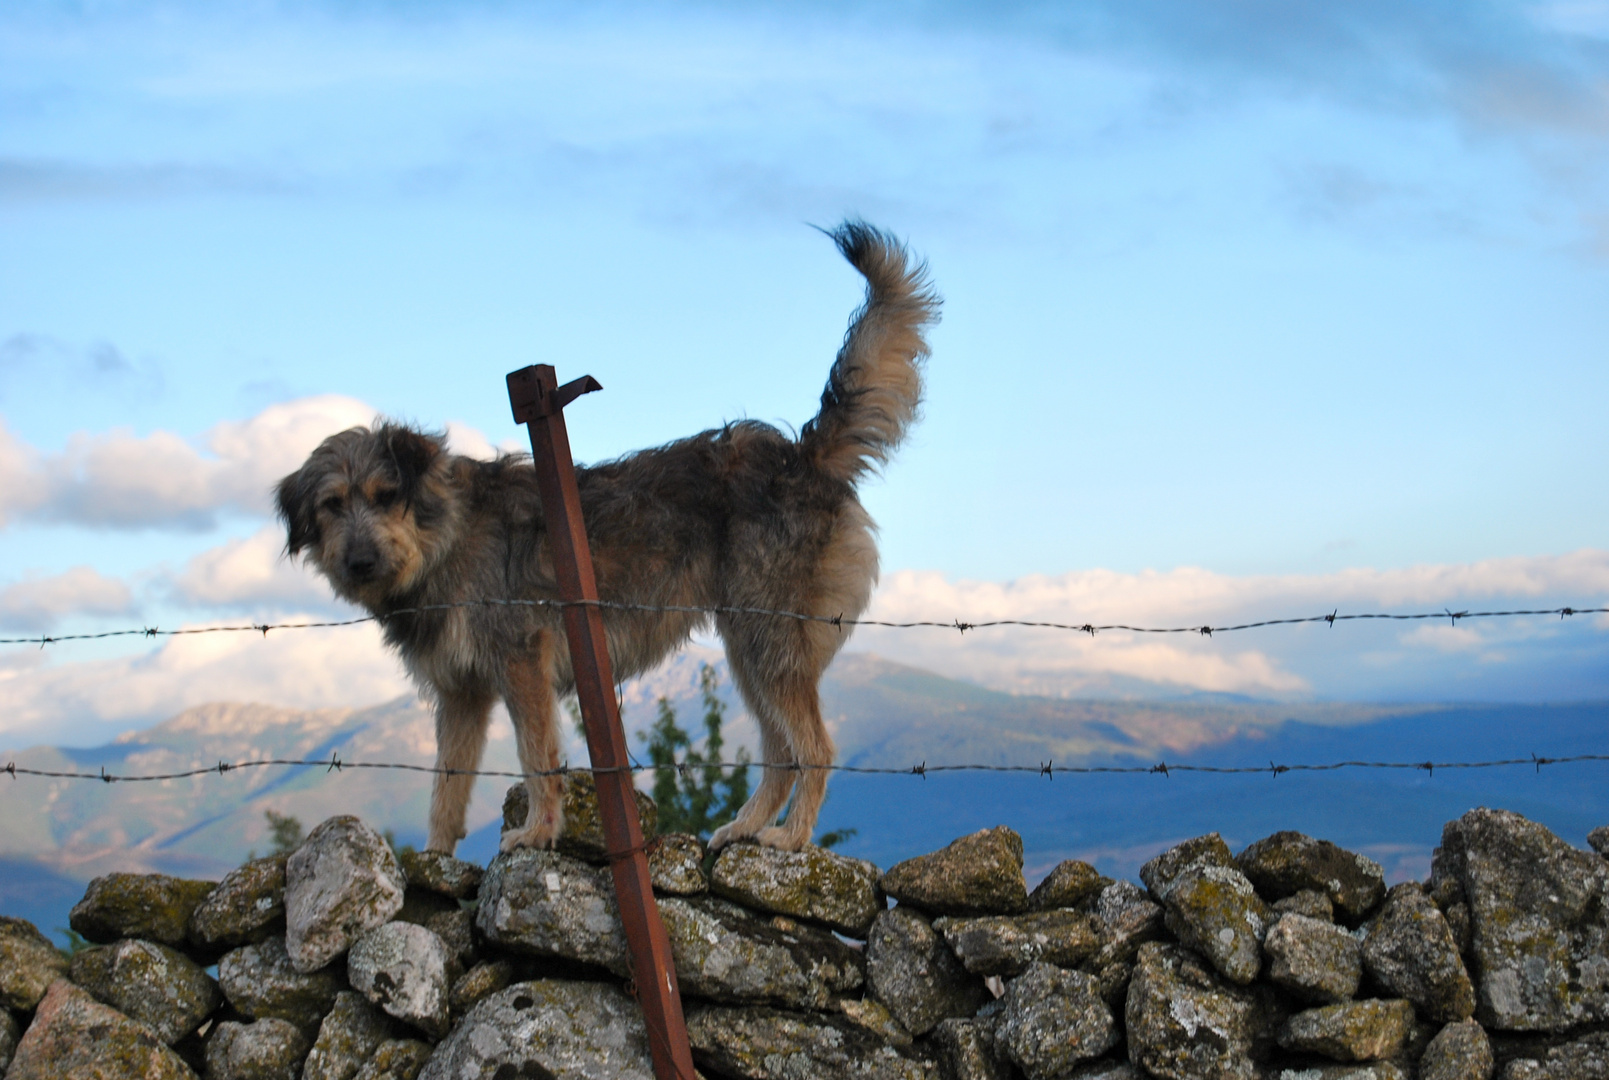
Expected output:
(959, 625)
(1047, 769)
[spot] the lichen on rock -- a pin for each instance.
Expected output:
(29, 963)
(155, 907)
(979, 874)
(812, 883)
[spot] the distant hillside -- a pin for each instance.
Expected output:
(57, 834)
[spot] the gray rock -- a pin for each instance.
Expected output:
(421, 905)
(341, 883)
(980, 874)
(402, 967)
(154, 907)
(1184, 1024)
(1462, 927)
(29, 963)
(1071, 884)
(676, 865)
(396, 1059)
(1309, 902)
(10, 1032)
(1213, 909)
(73, 1035)
(441, 874)
(1106, 1070)
(583, 823)
(1584, 1059)
(347, 1037)
(158, 986)
(1114, 979)
(1352, 1031)
(1159, 873)
(912, 972)
(1460, 1051)
(1053, 1020)
(542, 903)
(875, 1018)
(1006, 944)
(768, 1044)
(247, 906)
(479, 983)
(1410, 952)
(456, 929)
(266, 1049)
(812, 883)
(1313, 959)
(1366, 1070)
(725, 957)
(1288, 862)
(965, 1050)
(260, 981)
(1129, 919)
(1599, 839)
(572, 1030)
(1539, 913)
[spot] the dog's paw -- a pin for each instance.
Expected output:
(528, 838)
(543, 832)
(727, 834)
(779, 837)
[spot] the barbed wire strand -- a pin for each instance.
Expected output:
(959, 625)
(1048, 769)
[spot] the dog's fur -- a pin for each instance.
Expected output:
(742, 516)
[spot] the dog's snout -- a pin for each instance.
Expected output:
(361, 562)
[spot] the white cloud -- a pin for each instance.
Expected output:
(250, 573)
(471, 442)
(36, 603)
(120, 480)
(1358, 660)
(63, 702)
(1263, 662)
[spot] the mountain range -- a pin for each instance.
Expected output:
(58, 833)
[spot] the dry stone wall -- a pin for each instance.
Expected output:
(1290, 960)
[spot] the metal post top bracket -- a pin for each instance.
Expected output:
(532, 393)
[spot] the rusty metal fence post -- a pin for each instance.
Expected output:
(538, 402)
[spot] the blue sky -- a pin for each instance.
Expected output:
(1307, 298)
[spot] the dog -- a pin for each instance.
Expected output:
(742, 516)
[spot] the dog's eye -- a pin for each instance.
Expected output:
(332, 505)
(385, 497)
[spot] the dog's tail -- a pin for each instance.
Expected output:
(875, 386)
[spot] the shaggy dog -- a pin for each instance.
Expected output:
(740, 517)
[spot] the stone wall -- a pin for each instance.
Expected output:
(1288, 960)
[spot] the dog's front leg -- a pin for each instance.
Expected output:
(532, 707)
(460, 737)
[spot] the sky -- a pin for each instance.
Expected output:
(1252, 309)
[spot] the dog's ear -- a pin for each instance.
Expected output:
(411, 453)
(293, 500)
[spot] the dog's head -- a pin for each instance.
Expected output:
(371, 508)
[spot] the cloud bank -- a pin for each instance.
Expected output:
(1521, 659)
(1292, 662)
(119, 480)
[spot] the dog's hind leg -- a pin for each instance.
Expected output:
(460, 737)
(811, 747)
(534, 710)
(775, 783)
